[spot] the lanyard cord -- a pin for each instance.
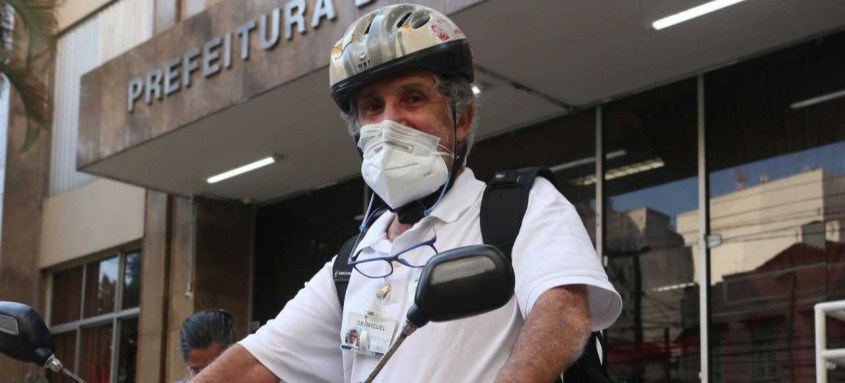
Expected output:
(455, 156)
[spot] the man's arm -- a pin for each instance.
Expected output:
(236, 365)
(553, 336)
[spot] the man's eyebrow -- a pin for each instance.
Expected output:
(413, 86)
(366, 93)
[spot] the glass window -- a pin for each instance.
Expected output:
(66, 296)
(776, 157)
(764, 339)
(100, 287)
(132, 280)
(66, 347)
(96, 354)
(128, 350)
(103, 325)
(651, 187)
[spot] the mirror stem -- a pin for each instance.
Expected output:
(53, 364)
(72, 375)
(407, 330)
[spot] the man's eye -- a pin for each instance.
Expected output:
(414, 98)
(368, 108)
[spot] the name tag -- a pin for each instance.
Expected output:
(368, 334)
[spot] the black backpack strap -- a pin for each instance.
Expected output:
(504, 204)
(503, 207)
(341, 270)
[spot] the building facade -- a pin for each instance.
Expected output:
(707, 162)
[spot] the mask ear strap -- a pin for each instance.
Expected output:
(455, 157)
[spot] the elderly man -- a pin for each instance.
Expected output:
(401, 76)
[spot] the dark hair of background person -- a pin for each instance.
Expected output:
(205, 328)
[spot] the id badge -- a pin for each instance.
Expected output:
(368, 334)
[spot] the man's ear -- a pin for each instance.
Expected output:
(355, 142)
(465, 123)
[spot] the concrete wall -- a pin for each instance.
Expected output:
(25, 185)
(70, 12)
(197, 255)
(90, 218)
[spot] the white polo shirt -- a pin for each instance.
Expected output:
(303, 343)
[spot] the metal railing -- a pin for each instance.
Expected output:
(827, 358)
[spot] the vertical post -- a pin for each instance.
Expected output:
(118, 307)
(668, 352)
(821, 345)
(77, 360)
(640, 364)
(600, 186)
(77, 364)
(704, 230)
(154, 298)
(638, 299)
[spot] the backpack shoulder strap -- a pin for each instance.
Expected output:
(504, 204)
(341, 270)
(502, 209)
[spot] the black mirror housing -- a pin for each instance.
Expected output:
(23, 334)
(462, 282)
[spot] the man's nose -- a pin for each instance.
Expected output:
(394, 112)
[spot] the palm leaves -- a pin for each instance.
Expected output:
(27, 29)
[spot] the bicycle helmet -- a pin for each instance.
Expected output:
(395, 39)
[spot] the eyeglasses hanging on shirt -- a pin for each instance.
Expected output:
(381, 267)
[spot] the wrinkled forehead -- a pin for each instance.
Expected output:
(407, 80)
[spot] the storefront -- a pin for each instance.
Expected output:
(707, 162)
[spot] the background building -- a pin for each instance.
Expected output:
(715, 145)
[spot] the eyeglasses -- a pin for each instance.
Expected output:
(381, 267)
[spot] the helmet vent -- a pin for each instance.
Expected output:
(403, 20)
(420, 18)
(367, 31)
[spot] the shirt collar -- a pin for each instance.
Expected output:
(465, 191)
(376, 232)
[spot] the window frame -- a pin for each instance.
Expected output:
(114, 318)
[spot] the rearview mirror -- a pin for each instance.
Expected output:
(456, 284)
(462, 282)
(23, 335)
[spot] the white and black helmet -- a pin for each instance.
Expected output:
(395, 39)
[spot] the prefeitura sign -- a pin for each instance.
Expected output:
(224, 56)
(216, 54)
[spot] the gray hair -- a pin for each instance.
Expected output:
(457, 91)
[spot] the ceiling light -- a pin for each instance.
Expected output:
(476, 90)
(585, 161)
(674, 287)
(621, 172)
(241, 170)
(692, 13)
(818, 100)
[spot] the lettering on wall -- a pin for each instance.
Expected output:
(217, 54)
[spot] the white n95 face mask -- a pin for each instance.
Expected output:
(401, 164)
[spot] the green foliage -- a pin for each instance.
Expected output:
(27, 36)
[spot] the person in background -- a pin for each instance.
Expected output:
(203, 337)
